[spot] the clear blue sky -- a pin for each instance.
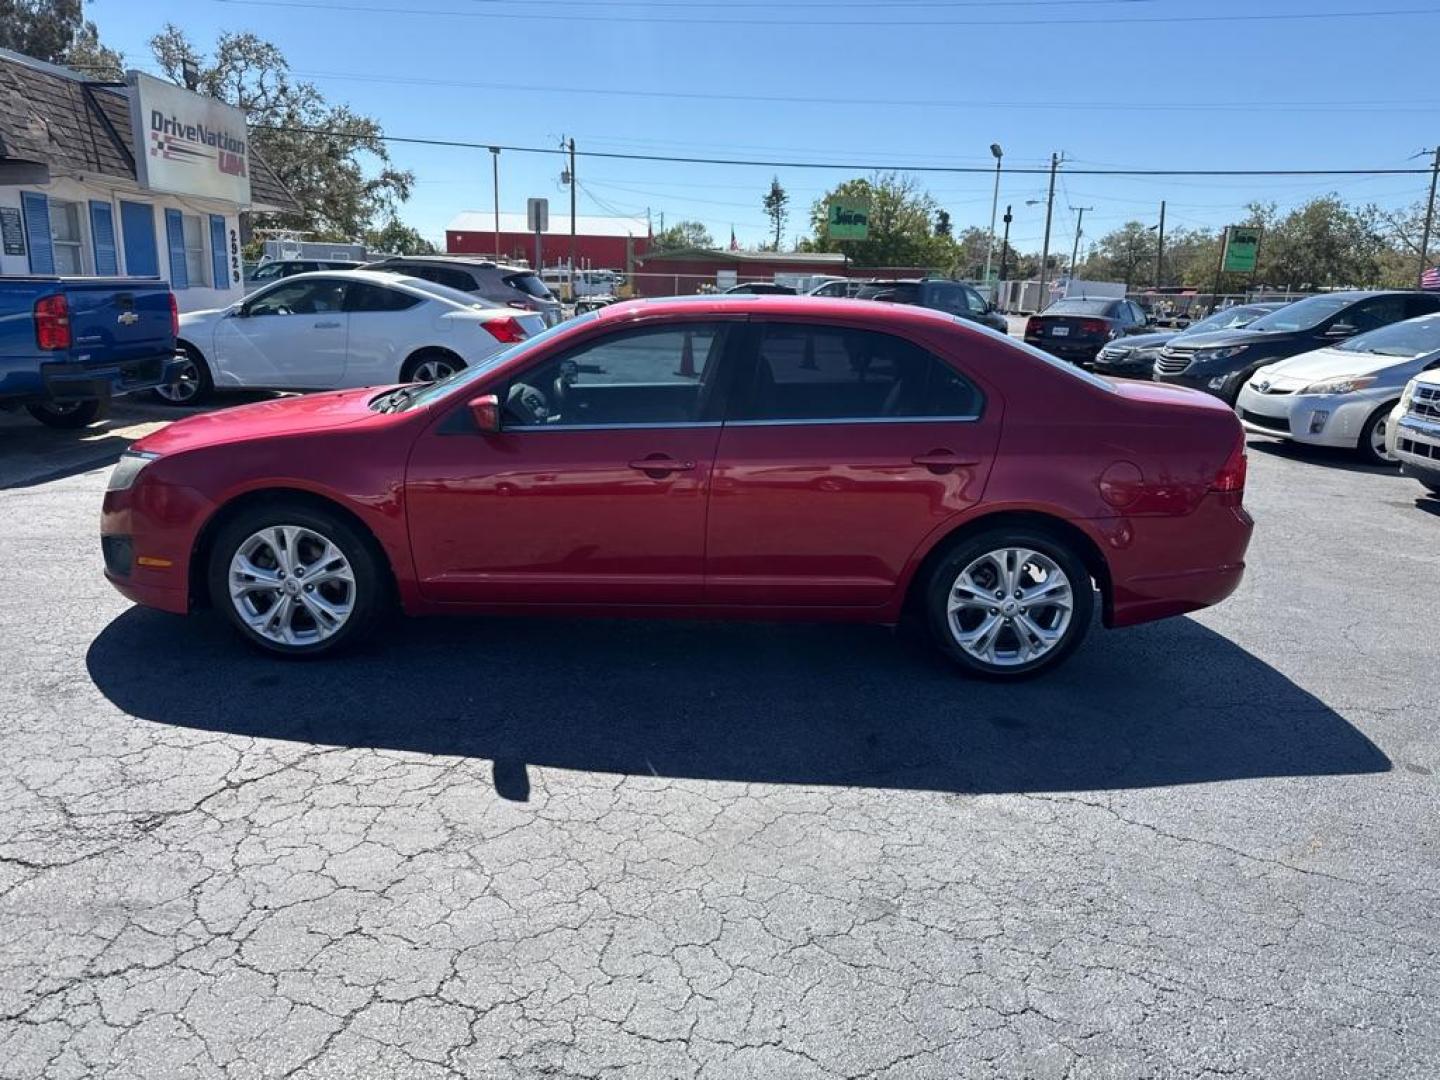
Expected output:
(1105, 81)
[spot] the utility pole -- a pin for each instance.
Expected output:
(1045, 251)
(495, 161)
(1005, 244)
(572, 220)
(994, 204)
(1079, 232)
(1429, 219)
(1160, 249)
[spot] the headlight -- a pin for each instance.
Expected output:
(1408, 395)
(1221, 354)
(1345, 384)
(122, 478)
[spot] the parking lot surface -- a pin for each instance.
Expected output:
(611, 849)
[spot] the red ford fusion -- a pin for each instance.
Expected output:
(739, 457)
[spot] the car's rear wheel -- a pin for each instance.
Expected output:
(68, 414)
(431, 366)
(295, 580)
(1371, 446)
(1010, 603)
(192, 384)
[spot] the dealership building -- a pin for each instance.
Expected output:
(140, 178)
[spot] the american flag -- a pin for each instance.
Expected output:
(1431, 278)
(735, 246)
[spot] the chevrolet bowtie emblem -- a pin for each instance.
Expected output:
(127, 318)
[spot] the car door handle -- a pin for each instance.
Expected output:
(658, 467)
(942, 461)
(327, 326)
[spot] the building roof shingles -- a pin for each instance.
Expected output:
(76, 127)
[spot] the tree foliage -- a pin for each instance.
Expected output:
(332, 159)
(57, 32)
(900, 215)
(397, 238)
(682, 236)
(776, 203)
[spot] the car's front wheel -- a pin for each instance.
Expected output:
(296, 580)
(1371, 446)
(1010, 603)
(193, 382)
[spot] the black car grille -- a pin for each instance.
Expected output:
(1426, 403)
(1419, 449)
(1173, 361)
(1271, 423)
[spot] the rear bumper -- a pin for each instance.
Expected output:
(1164, 566)
(1078, 351)
(63, 381)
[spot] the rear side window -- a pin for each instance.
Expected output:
(362, 297)
(529, 284)
(441, 275)
(809, 373)
(907, 293)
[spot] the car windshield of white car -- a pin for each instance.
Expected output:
(1415, 337)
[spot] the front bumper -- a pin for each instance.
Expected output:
(147, 536)
(1415, 442)
(1334, 420)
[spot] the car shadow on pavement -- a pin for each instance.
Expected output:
(1328, 456)
(1169, 703)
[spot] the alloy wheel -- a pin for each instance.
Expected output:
(186, 385)
(433, 370)
(1378, 431)
(291, 585)
(1010, 606)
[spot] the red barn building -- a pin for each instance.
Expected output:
(601, 243)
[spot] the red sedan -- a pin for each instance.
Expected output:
(744, 457)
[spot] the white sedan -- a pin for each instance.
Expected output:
(1342, 395)
(337, 329)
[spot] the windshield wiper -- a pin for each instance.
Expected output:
(395, 400)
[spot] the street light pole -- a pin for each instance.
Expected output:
(1429, 220)
(1045, 251)
(1160, 249)
(1079, 232)
(495, 160)
(994, 205)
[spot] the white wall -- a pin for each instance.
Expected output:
(111, 190)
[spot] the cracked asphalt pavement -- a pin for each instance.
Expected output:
(612, 849)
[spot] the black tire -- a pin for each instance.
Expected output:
(1007, 644)
(1365, 448)
(69, 416)
(194, 384)
(368, 597)
(410, 372)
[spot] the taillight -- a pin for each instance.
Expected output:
(52, 322)
(1032, 327)
(1094, 326)
(1230, 480)
(507, 331)
(174, 317)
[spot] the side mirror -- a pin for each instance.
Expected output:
(485, 411)
(1340, 330)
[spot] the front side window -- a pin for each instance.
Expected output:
(197, 269)
(1375, 313)
(299, 298)
(650, 376)
(66, 238)
(975, 302)
(809, 373)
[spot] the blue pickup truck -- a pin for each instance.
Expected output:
(68, 345)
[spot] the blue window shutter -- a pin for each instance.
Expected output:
(102, 234)
(137, 222)
(175, 241)
(221, 264)
(37, 232)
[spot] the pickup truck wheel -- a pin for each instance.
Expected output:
(296, 581)
(1010, 603)
(192, 383)
(71, 414)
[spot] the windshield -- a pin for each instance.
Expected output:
(437, 390)
(1301, 315)
(530, 285)
(1231, 318)
(1413, 338)
(1079, 307)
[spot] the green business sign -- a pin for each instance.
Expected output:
(1242, 248)
(849, 219)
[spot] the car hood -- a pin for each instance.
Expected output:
(192, 318)
(267, 419)
(1219, 339)
(1145, 341)
(1330, 363)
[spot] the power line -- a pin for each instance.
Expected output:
(1390, 105)
(844, 165)
(748, 24)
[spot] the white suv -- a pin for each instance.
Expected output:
(1414, 435)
